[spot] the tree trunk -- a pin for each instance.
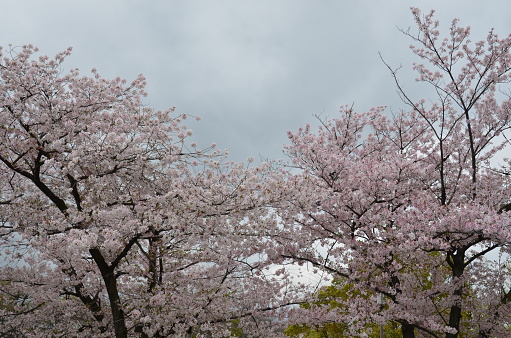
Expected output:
(454, 320)
(457, 263)
(407, 330)
(107, 272)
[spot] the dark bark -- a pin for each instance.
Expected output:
(152, 257)
(407, 330)
(456, 261)
(107, 272)
(92, 303)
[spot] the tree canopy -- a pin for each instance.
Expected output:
(112, 223)
(410, 204)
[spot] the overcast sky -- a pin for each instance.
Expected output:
(251, 69)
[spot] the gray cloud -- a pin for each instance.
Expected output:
(251, 69)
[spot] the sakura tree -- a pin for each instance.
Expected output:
(413, 205)
(112, 223)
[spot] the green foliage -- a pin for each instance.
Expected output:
(335, 296)
(236, 331)
(340, 330)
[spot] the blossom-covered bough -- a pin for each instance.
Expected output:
(111, 224)
(414, 205)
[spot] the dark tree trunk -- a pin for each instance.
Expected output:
(457, 262)
(107, 272)
(454, 320)
(407, 330)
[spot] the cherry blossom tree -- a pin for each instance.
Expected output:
(112, 223)
(413, 205)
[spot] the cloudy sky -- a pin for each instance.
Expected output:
(251, 69)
